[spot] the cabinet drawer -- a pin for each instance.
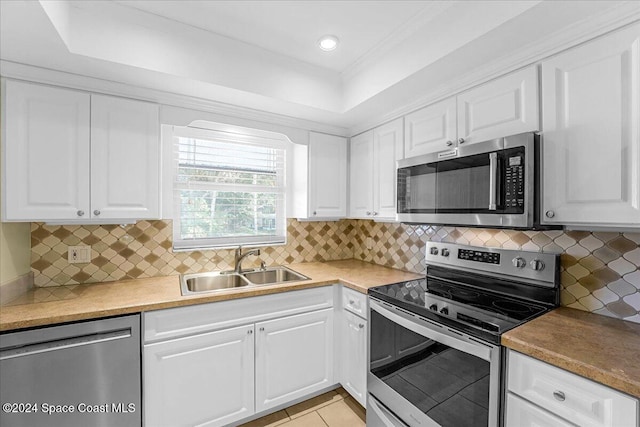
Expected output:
(569, 396)
(183, 321)
(354, 301)
(521, 413)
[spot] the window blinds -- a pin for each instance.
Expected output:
(228, 192)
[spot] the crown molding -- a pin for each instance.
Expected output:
(571, 36)
(431, 11)
(15, 70)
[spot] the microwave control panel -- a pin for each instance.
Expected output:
(514, 182)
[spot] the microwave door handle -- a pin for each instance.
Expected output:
(493, 180)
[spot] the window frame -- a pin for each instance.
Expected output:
(237, 135)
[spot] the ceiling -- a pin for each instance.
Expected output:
(262, 55)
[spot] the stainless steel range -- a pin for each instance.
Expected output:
(435, 354)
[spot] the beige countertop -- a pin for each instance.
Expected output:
(47, 306)
(597, 347)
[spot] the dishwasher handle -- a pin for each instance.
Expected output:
(65, 343)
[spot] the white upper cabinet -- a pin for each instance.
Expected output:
(504, 106)
(361, 173)
(373, 171)
(591, 132)
(125, 158)
(46, 153)
(388, 147)
(75, 157)
(431, 129)
(327, 176)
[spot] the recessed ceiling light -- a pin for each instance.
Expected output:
(328, 42)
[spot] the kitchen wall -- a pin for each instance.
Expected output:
(600, 271)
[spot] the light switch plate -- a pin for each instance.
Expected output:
(79, 254)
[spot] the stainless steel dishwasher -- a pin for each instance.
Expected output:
(79, 374)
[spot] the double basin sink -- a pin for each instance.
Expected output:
(225, 280)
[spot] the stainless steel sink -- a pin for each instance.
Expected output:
(273, 275)
(226, 280)
(209, 282)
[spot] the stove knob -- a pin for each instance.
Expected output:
(433, 251)
(433, 307)
(519, 262)
(444, 310)
(537, 265)
(445, 252)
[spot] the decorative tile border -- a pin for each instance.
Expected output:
(600, 271)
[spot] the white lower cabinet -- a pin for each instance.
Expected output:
(216, 364)
(521, 413)
(203, 380)
(570, 398)
(353, 356)
(294, 357)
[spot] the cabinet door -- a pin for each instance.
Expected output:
(46, 153)
(388, 147)
(520, 413)
(502, 107)
(294, 357)
(200, 380)
(431, 129)
(361, 174)
(125, 159)
(327, 176)
(591, 132)
(353, 356)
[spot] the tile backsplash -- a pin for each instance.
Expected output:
(600, 271)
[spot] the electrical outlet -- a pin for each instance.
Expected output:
(369, 243)
(79, 254)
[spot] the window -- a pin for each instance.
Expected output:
(229, 188)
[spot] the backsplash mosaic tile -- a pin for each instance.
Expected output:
(145, 250)
(600, 271)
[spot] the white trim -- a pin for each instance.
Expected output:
(18, 71)
(572, 36)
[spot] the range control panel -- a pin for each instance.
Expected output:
(479, 256)
(541, 267)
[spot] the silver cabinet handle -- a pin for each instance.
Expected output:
(351, 302)
(261, 329)
(361, 325)
(80, 213)
(96, 212)
(461, 141)
(375, 213)
(493, 180)
(249, 332)
(315, 213)
(559, 395)
(368, 212)
(550, 214)
(449, 143)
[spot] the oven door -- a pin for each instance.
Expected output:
(427, 374)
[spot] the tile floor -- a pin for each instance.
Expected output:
(333, 409)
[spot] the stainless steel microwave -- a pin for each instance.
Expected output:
(486, 184)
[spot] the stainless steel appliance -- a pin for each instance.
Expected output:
(435, 354)
(490, 184)
(80, 374)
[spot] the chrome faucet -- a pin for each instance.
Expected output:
(237, 268)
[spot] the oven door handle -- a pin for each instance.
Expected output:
(446, 336)
(383, 414)
(493, 181)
